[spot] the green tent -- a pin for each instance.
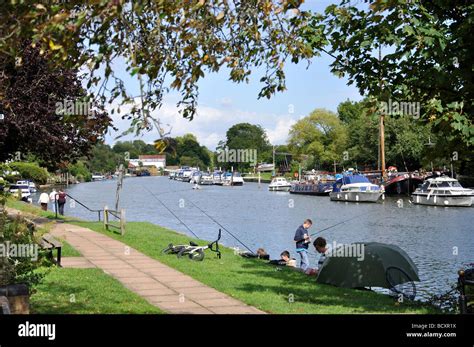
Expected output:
(378, 262)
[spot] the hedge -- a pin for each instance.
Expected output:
(30, 171)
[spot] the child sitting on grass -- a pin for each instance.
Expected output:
(285, 260)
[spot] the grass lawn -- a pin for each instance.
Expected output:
(255, 282)
(30, 208)
(274, 290)
(68, 251)
(86, 291)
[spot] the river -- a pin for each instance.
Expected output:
(440, 240)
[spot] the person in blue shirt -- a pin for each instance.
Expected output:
(302, 240)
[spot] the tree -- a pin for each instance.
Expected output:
(32, 98)
(104, 160)
(189, 152)
(166, 44)
(405, 137)
(246, 137)
(426, 56)
(320, 135)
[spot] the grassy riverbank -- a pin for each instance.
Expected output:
(81, 291)
(274, 290)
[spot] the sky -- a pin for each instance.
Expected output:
(223, 103)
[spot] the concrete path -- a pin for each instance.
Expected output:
(161, 285)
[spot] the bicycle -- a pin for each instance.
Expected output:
(193, 250)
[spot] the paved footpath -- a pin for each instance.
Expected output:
(161, 285)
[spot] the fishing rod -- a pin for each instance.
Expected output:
(175, 216)
(219, 224)
(344, 221)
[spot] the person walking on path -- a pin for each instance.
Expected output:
(302, 240)
(61, 201)
(53, 197)
(43, 201)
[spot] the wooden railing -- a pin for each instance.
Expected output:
(120, 215)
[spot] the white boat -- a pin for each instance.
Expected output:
(31, 185)
(217, 178)
(443, 191)
(232, 179)
(206, 178)
(262, 167)
(23, 188)
(195, 177)
(355, 188)
(98, 177)
(185, 173)
(279, 184)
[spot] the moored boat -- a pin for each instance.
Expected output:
(217, 178)
(98, 177)
(206, 178)
(279, 184)
(355, 188)
(232, 179)
(22, 189)
(314, 184)
(31, 185)
(443, 191)
(402, 183)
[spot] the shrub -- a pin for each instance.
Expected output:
(80, 171)
(17, 268)
(30, 171)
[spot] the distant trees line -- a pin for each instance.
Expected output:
(348, 138)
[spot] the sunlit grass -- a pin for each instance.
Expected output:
(272, 289)
(86, 291)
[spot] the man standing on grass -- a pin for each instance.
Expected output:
(302, 240)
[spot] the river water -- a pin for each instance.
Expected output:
(440, 240)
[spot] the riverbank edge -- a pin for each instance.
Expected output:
(384, 304)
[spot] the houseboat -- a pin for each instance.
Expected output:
(314, 184)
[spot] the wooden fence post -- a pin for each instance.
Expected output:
(106, 217)
(122, 221)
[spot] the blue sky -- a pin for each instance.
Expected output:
(223, 103)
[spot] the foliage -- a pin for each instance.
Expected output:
(103, 159)
(31, 90)
(320, 135)
(406, 140)
(426, 56)
(246, 136)
(80, 171)
(167, 44)
(30, 171)
(19, 269)
(190, 152)
(134, 148)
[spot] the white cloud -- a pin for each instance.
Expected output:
(209, 125)
(279, 134)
